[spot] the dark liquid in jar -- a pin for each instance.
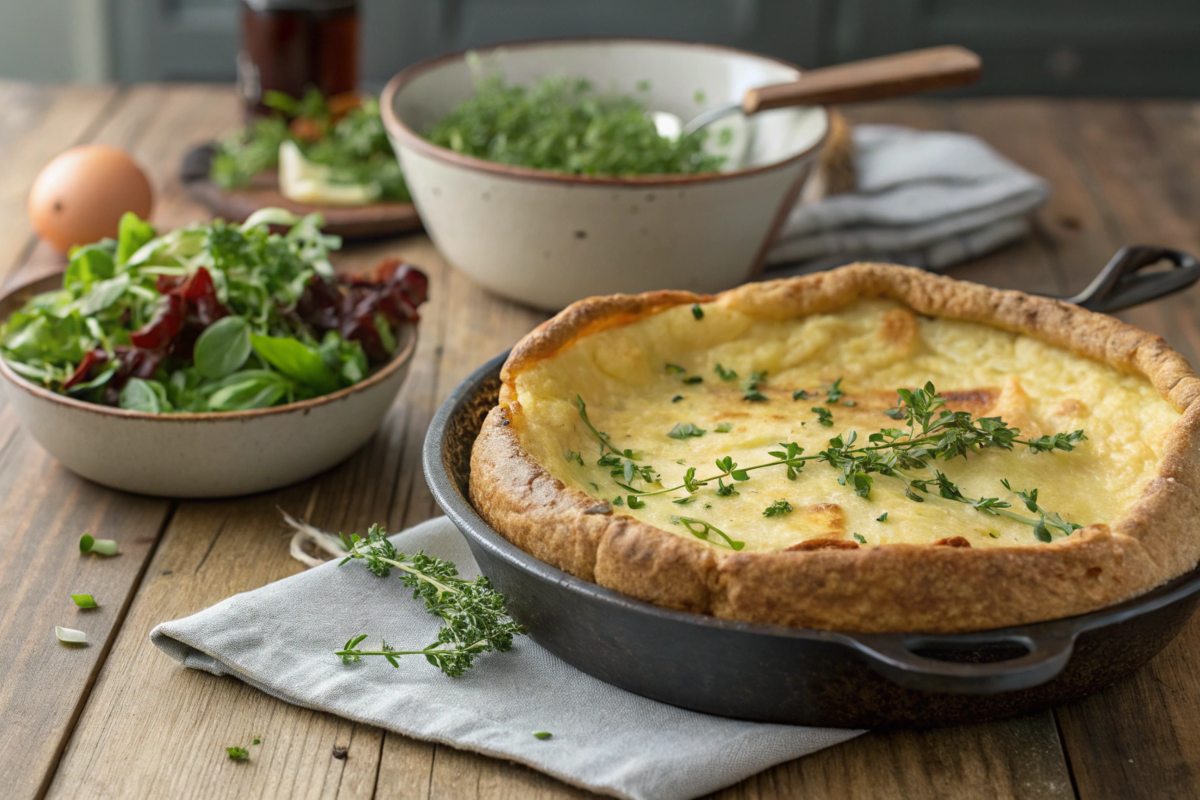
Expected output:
(294, 47)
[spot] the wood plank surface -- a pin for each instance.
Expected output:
(128, 721)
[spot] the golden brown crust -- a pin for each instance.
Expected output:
(935, 588)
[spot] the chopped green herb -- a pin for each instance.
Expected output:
(683, 430)
(683, 501)
(726, 375)
(542, 735)
(800, 394)
(835, 392)
(676, 398)
(824, 416)
(237, 753)
(693, 379)
(778, 509)
(576, 457)
(104, 547)
(993, 534)
(725, 491)
(675, 369)
(562, 124)
(697, 311)
(882, 517)
(849, 403)
(84, 600)
(618, 501)
(634, 502)
(257, 740)
(723, 427)
(858, 537)
(751, 387)
(680, 462)
(700, 97)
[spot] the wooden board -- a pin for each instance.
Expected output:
(350, 222)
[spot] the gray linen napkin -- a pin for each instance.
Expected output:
(281, 639)
(927, 199)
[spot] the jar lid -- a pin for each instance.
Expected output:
(300, 5)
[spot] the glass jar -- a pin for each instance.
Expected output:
(292, 46)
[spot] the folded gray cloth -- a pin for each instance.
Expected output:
(928, 199)
(281, 639)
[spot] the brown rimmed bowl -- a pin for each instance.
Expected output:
(815, 677)
(208, 454)
(547, 239)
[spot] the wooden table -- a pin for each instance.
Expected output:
(119, 719)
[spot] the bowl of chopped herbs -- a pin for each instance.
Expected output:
(218, 359)
(538, 171)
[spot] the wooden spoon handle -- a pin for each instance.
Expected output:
(872, 79)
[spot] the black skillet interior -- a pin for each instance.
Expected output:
(806, 677)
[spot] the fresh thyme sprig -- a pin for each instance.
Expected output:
(475, 617)
(933, 434)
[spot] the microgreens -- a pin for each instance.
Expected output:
(933, 433)
(475, 617)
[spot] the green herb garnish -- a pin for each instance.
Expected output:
(353, 146)
(824, 416)
(697, 311)
(800, 394)
(84, 600)
(683, 430)
(835, 392)
(723, 427)
(475, 618)
(675, 369)
(858, 537)
(542, 735)
(726, 375)
(750, 388)
(237, 753)
(693, 379)
(634, 502)
(882, 517)
(676, 398)
(778, 509)
(701, 529)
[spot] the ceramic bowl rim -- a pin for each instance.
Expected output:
(399, 360)
(406, 135)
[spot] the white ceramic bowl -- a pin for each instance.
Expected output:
(202, 455)
(549, 239)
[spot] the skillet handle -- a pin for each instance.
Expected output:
(893, 656)
(1119, 285)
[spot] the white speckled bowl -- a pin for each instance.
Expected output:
(202, 455)
(548, 239)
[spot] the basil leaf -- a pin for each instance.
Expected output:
(223, 347)
(296, 360)
(132, 234)
(139, 395)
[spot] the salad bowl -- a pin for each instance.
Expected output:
(202, 455)
(546, 238)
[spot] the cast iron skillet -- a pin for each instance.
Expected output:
(811, 677)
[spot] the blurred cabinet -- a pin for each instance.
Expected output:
(1029, 46)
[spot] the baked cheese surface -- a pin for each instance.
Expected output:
(872, 347)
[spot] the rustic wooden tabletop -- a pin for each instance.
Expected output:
(120, 719)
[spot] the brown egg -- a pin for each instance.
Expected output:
(80, 196)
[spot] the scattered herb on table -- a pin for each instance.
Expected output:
(238, 753)
(210, 317)
(84, 601)
(104, 547)
(257, 740)
(475, 617)
(933, 433)
(346, 137)
(542, 735)
(564, 125)
(70, 635)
